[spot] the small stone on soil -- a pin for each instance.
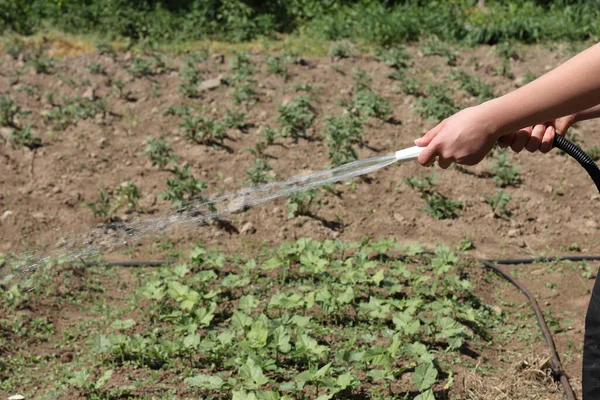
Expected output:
(248, 229)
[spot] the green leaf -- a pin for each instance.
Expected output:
(252, 375)
(123, 324)
(424, 376)
(347, 296)
(426, 395)
(191, 341)
(281, 339)
(257, 336)
(271, 263)
(448, 328)
(248, 303)
(103, 379)
(203, 381)
(378, 277)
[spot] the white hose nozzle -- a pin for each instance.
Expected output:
(409, 154)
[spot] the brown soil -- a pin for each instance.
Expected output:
(552, 208)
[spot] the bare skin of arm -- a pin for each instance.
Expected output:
(572, 89)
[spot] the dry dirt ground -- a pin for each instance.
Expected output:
(553, 208)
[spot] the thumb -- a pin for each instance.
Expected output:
(429, 136)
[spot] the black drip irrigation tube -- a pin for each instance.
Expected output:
(558, 371)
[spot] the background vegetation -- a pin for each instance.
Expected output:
(373, 22)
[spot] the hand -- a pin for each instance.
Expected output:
(464, 138)
(539, 137)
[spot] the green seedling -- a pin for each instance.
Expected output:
(245, 93)
(440, 207)
(296, 117)
(119, 87)
(235, 119)
(96, 68)
(257, 174)
(437, 103)
(160, 152)
(504, 173)
(269, 135)
(499, 201)
(191, 77)
(23, 137)
(202, 129)
(341, 133)
(396, 57)
(594, 153)
(340, 50)
(182, 188)
(301, 203)
(9, 110)
(473, 85)
(276, 66)
(435, 47)
(41, 63)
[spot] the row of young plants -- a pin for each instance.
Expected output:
(322, 320)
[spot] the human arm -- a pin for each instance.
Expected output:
(467, 136)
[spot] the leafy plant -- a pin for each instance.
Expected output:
(435, 47)
(498, 202)
(340, 50)
(366, 104)
(190, 78)
(245, 93)
(594, 153)
(396, 57)
(473, 85)
(41, 63)
(8, 111)
(504, 173)
(23, 137)
(301, 202)
(437, 103)
(159, 151)
(440, 207)
(341, 133)
(235, 119)
(120, 89)
(202, 129)
(182, 187)
(296, 117)
(276, 66)
(257, 174)
(96, 68)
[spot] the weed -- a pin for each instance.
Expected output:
(396, 57)
(473, 85)
(201, 129)
(410, 86)
(23, 137)
(296, 117)
(257, 174)
(76, 109)
(504, 173)
(437, 104)
(159, 151)
(182, 188)
(498, 202)
(341, 133)
(301, 203)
